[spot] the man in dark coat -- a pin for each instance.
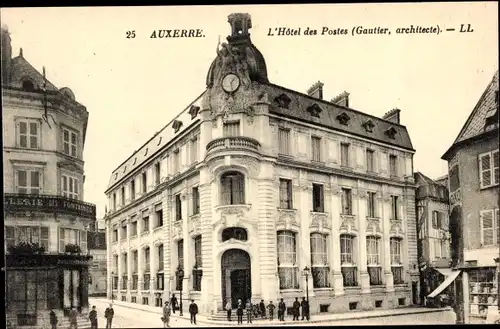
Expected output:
(193, 310)
(173, 303)
(73, 319)
(271, 308)
(304, 304)
(53, 319)
(281, 310)
(296, 309)
(262, 307)
(239, 311)
(109, 313)
(93, 318)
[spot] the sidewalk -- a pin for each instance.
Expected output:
(318, 318)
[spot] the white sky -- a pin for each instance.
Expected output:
(133, 87)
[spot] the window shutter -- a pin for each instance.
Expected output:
(497, 224)
(496, 167)
(485, 170)
(44, 237)
(83, 241)
(486, 222)
(61, 240)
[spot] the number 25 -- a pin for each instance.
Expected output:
(130, 34)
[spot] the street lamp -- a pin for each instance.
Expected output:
(180, 276)
(305, 272)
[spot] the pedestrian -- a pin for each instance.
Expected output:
(271, 308)
(109, 313)
(228, 310)
(249, 311)
(93, 318)
(262, 309)
(239, 311)
(73, 319)
(173, 303)
(166, 315)
(281, 310)
(53, 319)
(193, 310)
(304, 304)
(296, 309)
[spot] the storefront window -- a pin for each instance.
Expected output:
(31, 290)
(483, 292)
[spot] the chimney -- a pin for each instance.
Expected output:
(316, 90)
(392, 115)
(6, 51)
(342, 99)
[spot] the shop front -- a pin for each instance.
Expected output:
(37, 284)
(480, 294)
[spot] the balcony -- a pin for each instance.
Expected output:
(233, 143)
(15, 203)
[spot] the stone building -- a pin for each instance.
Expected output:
(473, 170)
(253, 185)
(45, 216)
(434, 239)
(96, 244)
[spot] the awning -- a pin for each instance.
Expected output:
(449, 279)
(444, 271)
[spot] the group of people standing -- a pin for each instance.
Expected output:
(260, 310)
(172, 306)
(73, 318)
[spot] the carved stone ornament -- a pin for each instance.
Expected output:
(362, 193)
(348, 223)
(287, 218)
(177, 229)
(336, 190)
(396, 227)
(320, 220)
(373, 225)
(195, 225)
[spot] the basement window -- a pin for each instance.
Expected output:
(353, 306)
(323, 308)
(378, 303)
(401, 301)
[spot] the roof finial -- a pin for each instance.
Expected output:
(21, 52)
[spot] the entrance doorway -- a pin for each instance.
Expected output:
(236, 276)
(414, 292)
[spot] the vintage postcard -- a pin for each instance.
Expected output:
(255, 165)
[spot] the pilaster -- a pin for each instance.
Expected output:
(335, 200)
(207, 293)
(167, 242)
(359, 199)
(386, 224)
(188, 254)
(304, 239)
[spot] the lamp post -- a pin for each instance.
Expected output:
(305, 272)
(180, 277)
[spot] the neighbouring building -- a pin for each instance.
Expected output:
(252, 186)
(96, 244)
(45, 216)
(434, 239)
(473, 165)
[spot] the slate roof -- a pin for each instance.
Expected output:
(330, 114)
(159, 140)
(22, 69)
(428, 187)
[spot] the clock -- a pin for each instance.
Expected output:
(230, 83)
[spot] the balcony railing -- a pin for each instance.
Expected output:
(237, 142)
(48, 204)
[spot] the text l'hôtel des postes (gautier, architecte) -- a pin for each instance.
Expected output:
(356, 30)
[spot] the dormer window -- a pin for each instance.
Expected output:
(491, 118)
(177, 125)
(283, 101)
(368, 125)
(314, 110)
(343, 118)
(28, 85)
(193, 111)
(391, 132)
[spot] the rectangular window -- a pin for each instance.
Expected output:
(233, 188)
(132, 189)
(133, 227)
(489, 227)
(147, 259)
(318, 198)
(287, 260)
(29, 182)
(197, 271)
(178, 207)
(124, 230)
(196, 200)
(160, 257)
(315, 148)
(371, 196)
(344, 155)
(393, 165)
(180, 262)
(194, 150)
(370, 161)
(160, 284)
(286, 194)
(123, 195)
(394, 207)
(70, 188)
(373, 260)
(157, 173)
(319, 260)
(231, 129)
(68, 236)
(489, 169)
(114, 201)
(284, 141)
(176, 161)
(29, 134)
(346, 201)
(146, 284)
(135, 261)
(145, 224)
(396, 260)
(159, 215)
(15, 235)
(115, 234)
(70, 142)
(347, 262)
(144, 182)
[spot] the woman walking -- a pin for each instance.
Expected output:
(166, 315)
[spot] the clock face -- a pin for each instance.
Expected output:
(230, 83)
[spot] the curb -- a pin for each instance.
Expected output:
(274, 323)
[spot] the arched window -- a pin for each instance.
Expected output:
(319, 260)
(233, 188)
(348, 260)
(287, 260)
(237, 233)
(396, 260)
(373, 260)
